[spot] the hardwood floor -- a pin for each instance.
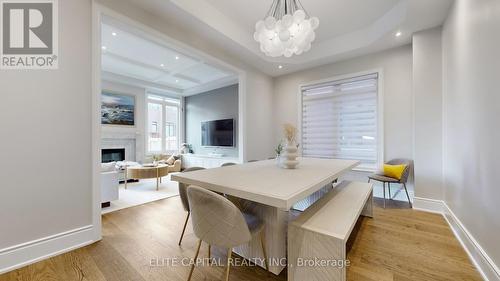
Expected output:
(398, 244)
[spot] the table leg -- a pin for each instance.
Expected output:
(157, 179)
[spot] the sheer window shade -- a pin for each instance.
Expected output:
(339, 120)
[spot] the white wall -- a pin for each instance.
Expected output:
(45, 121)
(258, 86)
(471, 65)
(427, 92)
(398, 110)
(110, 131)
(259, 117)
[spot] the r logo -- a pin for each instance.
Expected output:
(27, 28)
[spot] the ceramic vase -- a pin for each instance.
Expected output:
(289, 157)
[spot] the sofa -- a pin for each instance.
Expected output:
(174, 166)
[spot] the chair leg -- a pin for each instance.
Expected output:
(389, 188)
(229, 253)
(194, 261)
(369, 180)
(384, 193)
(184, 229)
(407, 196)
(263, 244)
(209, 251)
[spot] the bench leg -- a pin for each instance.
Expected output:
(368, 209)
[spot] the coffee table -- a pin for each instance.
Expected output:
(146, 172)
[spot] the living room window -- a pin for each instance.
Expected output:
(163, 123)
(340, 120)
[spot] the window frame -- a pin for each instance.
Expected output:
(380, 110)
(164, 101)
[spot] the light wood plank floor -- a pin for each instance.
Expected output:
(398, 244)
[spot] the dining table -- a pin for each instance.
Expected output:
(269, 192)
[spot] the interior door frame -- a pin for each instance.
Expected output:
(98, 13)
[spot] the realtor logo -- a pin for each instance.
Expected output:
(29, 34)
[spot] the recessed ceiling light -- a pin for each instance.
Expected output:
(162, 65)
(114, 33)
(104, 48)
(176, 81)
(399, 33)
(280, 66)
(176, 57)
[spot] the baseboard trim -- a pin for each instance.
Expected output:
(483, 263)
(428, 205)
(481, 260)
(17, 256)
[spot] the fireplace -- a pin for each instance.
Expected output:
(112, 154)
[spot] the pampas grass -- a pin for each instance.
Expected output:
(290, 132)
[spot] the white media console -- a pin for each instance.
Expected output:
(205, 161)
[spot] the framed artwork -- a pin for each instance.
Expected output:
(117, 109)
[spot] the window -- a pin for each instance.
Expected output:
(163, 123)
(154, 127)
(340, 120)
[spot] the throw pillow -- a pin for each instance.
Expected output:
(171, 160)
(394, 171)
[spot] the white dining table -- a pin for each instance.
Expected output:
(269, 192)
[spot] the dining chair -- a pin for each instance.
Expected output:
(219, 222)
(227, 164)
(184, 199)
(404, 178)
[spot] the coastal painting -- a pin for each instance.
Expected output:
(117, 109)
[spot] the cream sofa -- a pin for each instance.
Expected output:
(175, 167)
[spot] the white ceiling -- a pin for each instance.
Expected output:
(348, 28)
(133, 59)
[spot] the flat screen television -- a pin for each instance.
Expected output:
(218, 133)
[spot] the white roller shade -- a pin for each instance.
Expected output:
(339, 120)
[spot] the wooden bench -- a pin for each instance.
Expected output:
(317, 238)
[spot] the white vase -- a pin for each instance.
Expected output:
(289, 157)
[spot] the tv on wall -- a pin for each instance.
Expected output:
(218, 133)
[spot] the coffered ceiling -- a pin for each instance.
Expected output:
(348, 28)
(133, 59)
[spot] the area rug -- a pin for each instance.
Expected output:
(142, 192)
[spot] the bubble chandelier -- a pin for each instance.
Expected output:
(286, 30)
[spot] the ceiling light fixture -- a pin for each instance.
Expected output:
(176, 81)
(162, 65)
(398, 34)
(113, 33)
(286, 30)
(280, 66)
(176, 57)
(104, 48)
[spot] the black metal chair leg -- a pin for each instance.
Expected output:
(407, 196)
(384, 193)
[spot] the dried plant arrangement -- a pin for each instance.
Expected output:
(290, 132)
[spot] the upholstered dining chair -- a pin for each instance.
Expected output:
(184, 199)
(227, 164)
(404, 178)
(219, 222)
